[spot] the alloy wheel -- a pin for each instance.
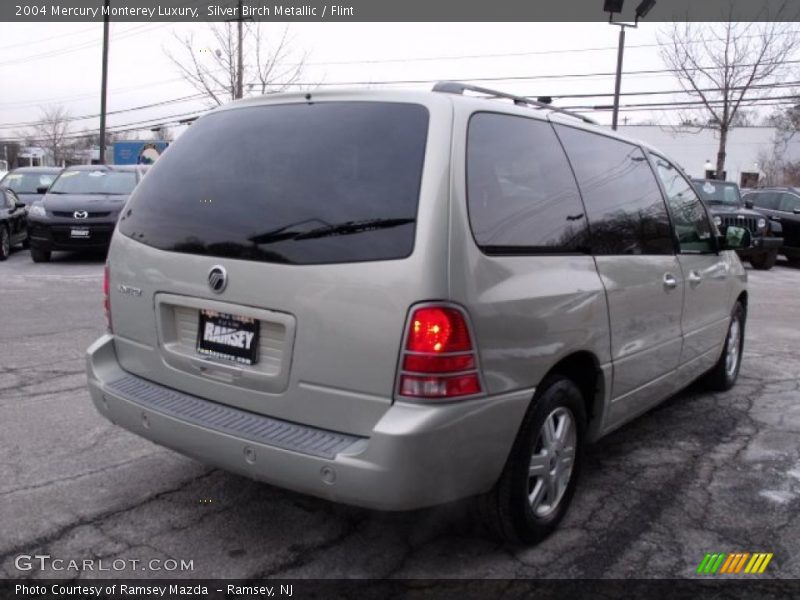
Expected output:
(552, 461)
(733, 346)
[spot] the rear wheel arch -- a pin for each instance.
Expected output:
(583, 369)
(743, 299)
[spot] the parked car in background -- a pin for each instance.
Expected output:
(30, 183)
(780, 205)
(487, 264)
(80, 209)
(13, 228)
(725, 203)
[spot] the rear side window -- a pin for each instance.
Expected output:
(768, 200)
(789, 203)
(627, 214)
(296, 183)
(521, 193)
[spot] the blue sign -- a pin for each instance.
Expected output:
(138, 153)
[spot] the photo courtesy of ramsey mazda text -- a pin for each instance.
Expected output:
(399, 299)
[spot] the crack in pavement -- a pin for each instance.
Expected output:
(59, 533)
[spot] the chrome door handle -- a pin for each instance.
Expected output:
(694, 278)
(670, 282)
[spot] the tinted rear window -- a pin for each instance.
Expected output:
(522, 194)
(299, 183)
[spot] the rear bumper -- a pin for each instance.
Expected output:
(760, 245)
(768, 243)
(416, 456)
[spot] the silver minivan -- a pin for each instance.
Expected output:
(400, 299)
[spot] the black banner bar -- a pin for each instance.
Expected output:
(412, 589)
(393, 10)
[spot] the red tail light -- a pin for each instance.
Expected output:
(439, 360)
(106, 298)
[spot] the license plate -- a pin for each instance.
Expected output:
(79, 232)
(227, 336)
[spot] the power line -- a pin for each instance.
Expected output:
(133, 31)
(164, 121)
(699, 103)
(678, 91)
(197, 96)
(177, 118)
(514, 77)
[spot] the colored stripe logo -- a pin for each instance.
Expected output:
(734, 563)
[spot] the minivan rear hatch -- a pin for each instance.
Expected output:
(272, 253)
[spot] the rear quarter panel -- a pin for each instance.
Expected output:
(528, 312)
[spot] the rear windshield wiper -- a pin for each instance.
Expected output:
(283, 234)
(349, 227)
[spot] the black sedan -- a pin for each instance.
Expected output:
(12, 222)
(80, 209)
(30, 183)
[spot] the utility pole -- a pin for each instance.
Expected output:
(240, 62)
(104, 88)
(618, 83)
(612, 7)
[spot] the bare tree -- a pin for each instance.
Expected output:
(726, 66)
(776, 162)
(51, 132)
(268, 65)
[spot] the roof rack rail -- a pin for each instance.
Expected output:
(455, 87)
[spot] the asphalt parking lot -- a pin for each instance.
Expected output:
(701, 473)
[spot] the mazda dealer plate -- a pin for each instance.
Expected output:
(227, 336)
(79, 232)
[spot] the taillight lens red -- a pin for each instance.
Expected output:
(439, 360)
(106, 297)
(438, 329)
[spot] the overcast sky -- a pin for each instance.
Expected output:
(59, 64)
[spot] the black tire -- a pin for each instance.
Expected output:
(723, 375)
(764, 261)
(5, 243)
(507, 510)
(40, 255)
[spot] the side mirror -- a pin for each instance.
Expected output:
(42, 189)
(748, 204)
(735, 237)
